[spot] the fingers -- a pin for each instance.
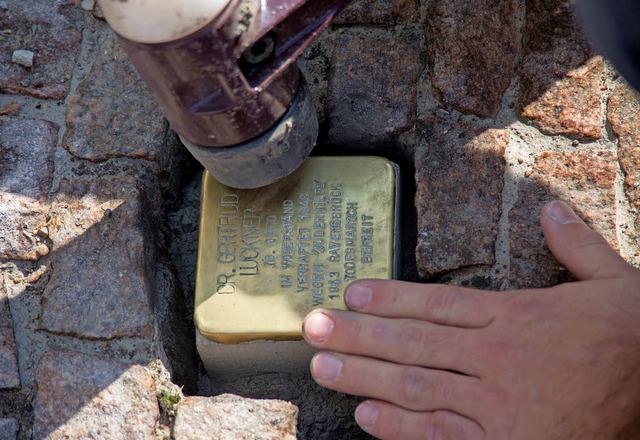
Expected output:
(402, 341)
(412, 388)
(582, 250)
(386, 421)
(441, 304)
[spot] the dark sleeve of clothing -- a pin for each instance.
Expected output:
(614, 27)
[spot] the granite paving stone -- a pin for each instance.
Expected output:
(379, 12)
(112, 114)
(229, 417)
(474, 50)
(99, 288)
(87, 397)
(373, 87)
(9, 374)
(52, 30)
(315, 64)
(585, 180)
(27, 148)
(561, 79)
(459, 181)
(623, 113)
(20, 217)
(26, 153)
(8, 429)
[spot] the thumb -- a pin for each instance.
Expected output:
(578, 247)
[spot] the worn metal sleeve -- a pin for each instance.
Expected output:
(269, 157)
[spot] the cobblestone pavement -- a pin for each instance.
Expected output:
(491, 108)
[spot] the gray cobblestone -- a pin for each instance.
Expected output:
(8, 429)
(560, 90)
(373, 91)
(459, 195)
(474, 48)
(52, 30)
(9, 375)
(83, 396)
(623, 113)
(99, 288)
(230, 417)
(27, 149)
(112, 114)
(380, 12)
(585, 180)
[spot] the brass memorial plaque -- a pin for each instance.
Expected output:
(269, 256)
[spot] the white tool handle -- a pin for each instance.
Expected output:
(160, 21)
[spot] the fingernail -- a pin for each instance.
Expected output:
(326, 366)
(366, 415)
(561, 213)
(318, 327)
(358, 297)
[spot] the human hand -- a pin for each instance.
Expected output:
(440, 361)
